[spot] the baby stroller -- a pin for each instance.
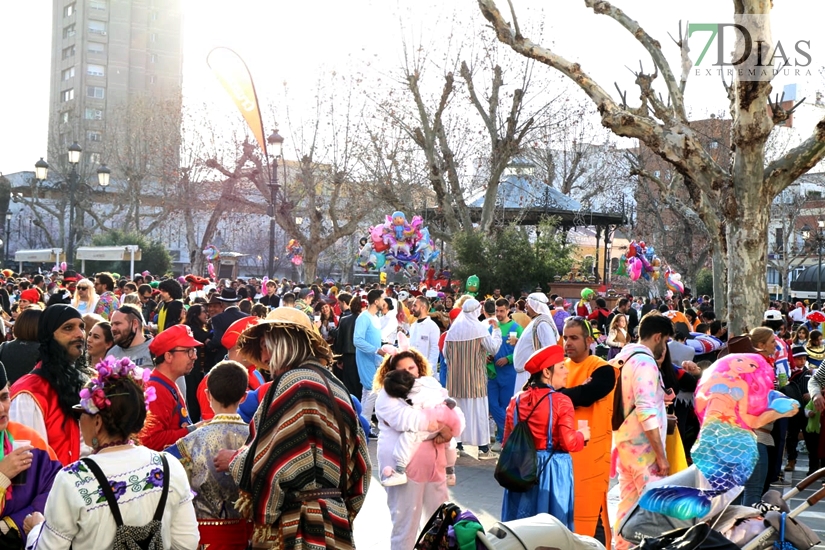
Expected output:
(539, 531)
(726, 527)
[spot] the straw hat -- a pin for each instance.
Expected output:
(287, 318)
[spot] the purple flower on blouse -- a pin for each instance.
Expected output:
(155, 478)
(118, 488)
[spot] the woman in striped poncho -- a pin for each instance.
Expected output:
(290, 474)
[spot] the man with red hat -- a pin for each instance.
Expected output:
(230, 338)
(168, 420)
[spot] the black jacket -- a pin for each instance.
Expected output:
(796, 388)
(271, 301)
(220, 323)
(344, 334)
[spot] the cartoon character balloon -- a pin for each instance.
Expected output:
(472, 285)
(634, 268)
(673, 281)
(734, 397)
(212, 253)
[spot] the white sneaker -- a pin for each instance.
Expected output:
(392, 478)
(496, 447)
(450, 480)
(489, 455)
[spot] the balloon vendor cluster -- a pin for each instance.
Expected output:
(641, 261)
(398, 245)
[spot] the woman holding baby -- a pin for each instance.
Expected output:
(415, 433)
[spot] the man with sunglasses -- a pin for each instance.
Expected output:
(168, 419)
(147, 304)
(590, 384)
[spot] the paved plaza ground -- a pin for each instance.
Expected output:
(478, 491)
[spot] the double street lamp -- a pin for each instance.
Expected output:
(816, 239)
(41, 173)
(276, 144)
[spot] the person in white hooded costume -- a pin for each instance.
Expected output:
(466, 347)
(543, 327)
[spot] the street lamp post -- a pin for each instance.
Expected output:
(8, 239)
(276, 143)
(818, 239)
(74, 177)
(41, 173)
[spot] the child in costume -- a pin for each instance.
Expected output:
(219, 522)
(424, 393)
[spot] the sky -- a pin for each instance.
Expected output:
(295, 42)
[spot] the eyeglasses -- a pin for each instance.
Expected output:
(82, 288)
(191, 352)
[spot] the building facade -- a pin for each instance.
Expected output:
(106, 53)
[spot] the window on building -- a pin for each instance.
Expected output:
(64, 117)
(67, 95)
(96, 48)
(94, 114)
(69, 31)
(68, 52)
(67, 73)
(714, 144)
(95, 70)
(153, 37)
(69, 10)
(97, 5)
(97, 27)
(657, 173)
(97, 92)
(153, 58)
(779, 240)
(152, 79)
(154, 16)
(93, 158)
(94, 136)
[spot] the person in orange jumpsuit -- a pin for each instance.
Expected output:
(590, 385)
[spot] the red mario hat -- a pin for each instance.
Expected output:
(173, 337)
(544, 359)
(230, 337)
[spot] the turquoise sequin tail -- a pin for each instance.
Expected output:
(725, 455)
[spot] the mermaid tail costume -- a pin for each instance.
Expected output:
(725, 454)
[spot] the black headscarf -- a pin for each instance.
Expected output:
(65, 375)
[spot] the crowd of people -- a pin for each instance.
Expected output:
(239, 413)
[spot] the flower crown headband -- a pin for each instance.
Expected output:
(93, 397)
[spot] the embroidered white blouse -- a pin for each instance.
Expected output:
(77, 513)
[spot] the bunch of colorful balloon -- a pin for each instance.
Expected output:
(212, 253)
(295, 252)
(398, 245)
(640, 261)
